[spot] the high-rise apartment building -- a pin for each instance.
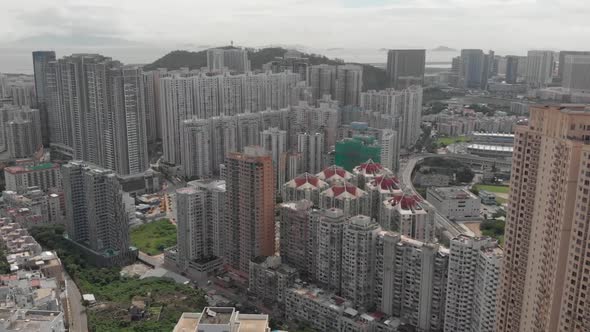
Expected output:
(296, 236)
(576, 72)
(274, 141)
(234, 59)
(349, 84)
(97, 112)
(97, 218)
(539, 68)
(248, 130)
(250, 202)
(45, 176)
(346, 197)
(404, 105)
(196, 148)
(411, 280)
(390, 149)
(22, 134)
(215, 193)
(151, 85)
(358, 260)
(405, 214)
(223, 130)
(322, 79)
(512, 69)
(41, 61)
(474, 273)
(329, 249)
(405, 68)
(472, 69)
(561, 64)
(545, 279)
(380, 189)
(195, 234)
(312, 149)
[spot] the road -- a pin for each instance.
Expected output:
(78, 319)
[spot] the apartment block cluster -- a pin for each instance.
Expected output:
(18, 90)
(33, 293)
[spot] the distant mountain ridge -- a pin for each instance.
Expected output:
(444, 49)
(373, 78)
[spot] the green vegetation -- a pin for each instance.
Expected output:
(154, 237)
(450, 140)
(493, 228)
(488, 111)
(493, 188)
(434, 94)
(114, 292)
(435, 108)
(446, 166)
(373, 78)
(4, 266)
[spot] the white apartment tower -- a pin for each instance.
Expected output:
(329, 249)
(322, 79)
(274, 141)
(358, 260)
(194, 236)
(196, 146)
(390, 149)
(312, 149)
(223, 131)
(411, 280)
(473, 279)
(349, 84)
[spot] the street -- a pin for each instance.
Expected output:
(78, 319)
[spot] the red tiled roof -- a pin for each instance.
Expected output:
(386, 182)
(306, 178)
(339, 189)
(334, 170)
(405, 201)
(371, 167)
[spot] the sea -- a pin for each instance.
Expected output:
(19, 60)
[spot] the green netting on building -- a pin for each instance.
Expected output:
(351, 152)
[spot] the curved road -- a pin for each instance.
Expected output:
(77, 312)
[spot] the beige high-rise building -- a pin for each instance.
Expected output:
(546, 280)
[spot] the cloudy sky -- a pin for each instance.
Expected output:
(497, 24)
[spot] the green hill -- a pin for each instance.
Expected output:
(373, 78)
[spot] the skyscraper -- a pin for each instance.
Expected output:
(539, 69)
(322, 79)
(349, 84)
(562, 56)
(195, 234)
(151, 85)
(545, 279)
(329, 249)
(311, 147)
(274, 141)
(576, 72)
(296, 236)
(249, 207)
(512, 69)
(474, 271)
(405, 68)
(472, 69)
(41, 61)
(97, 112)
(22, 131)
(97, 219)
(234, 59)
(196, 148)
(390, 149)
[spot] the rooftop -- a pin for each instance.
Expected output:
(486, 147)
(30, 168)
(453, 192)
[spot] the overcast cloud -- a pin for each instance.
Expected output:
(496, 24)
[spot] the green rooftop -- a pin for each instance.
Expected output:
(41, 166)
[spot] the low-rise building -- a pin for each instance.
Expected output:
(216, 319)
(269, 279)
(13, 320)
(44, 176)
(490, 151)
(487, 197)
(454, 203)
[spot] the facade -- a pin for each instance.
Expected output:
(151, 85)
(473, 279)
(351, 152)
(297, 236)
(454, 203)
(358, 265)
(336, 175)
(539, 68)
(215, 319)
(196, 146)
(487, 197)
(405, 68)
(544, 280)
(346, 197)
(322, 79)
(405, 215)
(41, 61)
(576, 72)
(20, 134)
(369, 170)
(250, 202)
(312, 149)
(411, 280)
(328, 269)
(96, 215)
